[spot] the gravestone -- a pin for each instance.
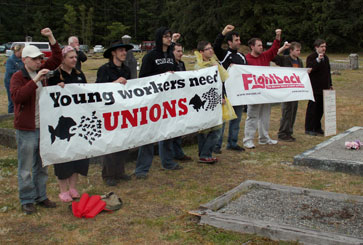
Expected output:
(332, 154)
(354, 62)
(287, 213)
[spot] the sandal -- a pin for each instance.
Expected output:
(74, 193)
(65, 197)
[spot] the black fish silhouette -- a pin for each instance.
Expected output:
(197, 102)
(62, 129)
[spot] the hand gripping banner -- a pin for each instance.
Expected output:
(248, 85)
(87, 120)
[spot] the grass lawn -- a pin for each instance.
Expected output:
(155, 210)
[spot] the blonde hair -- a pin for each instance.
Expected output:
(17, 47)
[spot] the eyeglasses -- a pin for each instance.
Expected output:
(206, 49)
(166, 36)
(37, 58)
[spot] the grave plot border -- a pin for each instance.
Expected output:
(209, 215)
(338, 165)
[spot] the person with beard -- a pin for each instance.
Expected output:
(115, 71)
(228, 58)
(157, 61)
(258, 115)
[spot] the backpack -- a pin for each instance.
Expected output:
(113, 202)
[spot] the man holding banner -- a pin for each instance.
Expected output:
(25, 86)
(207, 139)
(320, 78)
(178, 54)
(157, 61)
(117, 72)
(288, 109)
(228, 58)
(258, 115)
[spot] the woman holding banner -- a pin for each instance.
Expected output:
(67, 173)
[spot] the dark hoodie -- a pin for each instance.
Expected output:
(156, 61)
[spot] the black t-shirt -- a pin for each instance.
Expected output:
(76, 76)
(109, 72)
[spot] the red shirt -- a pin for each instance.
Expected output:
(264, 58)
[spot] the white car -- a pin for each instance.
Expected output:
(98, 49)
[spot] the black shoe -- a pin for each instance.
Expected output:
(319, 131)
(125, 177)
(286, 138)
(176, 167)
(236, 148)
(311, 133)
(47, 204)
(217, 151)
(28, 208)
(111, 182)
(141, 176)
(293, 138)
(185, 158)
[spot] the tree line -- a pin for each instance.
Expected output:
(339, 22)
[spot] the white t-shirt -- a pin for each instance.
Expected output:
(40, 86)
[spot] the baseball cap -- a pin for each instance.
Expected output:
(31, 51)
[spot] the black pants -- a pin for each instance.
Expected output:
(314, 113)
(288, 111)
(114, 165)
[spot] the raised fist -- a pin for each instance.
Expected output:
(47, 32)
(227, 29)
(278, 31)
(175, 37)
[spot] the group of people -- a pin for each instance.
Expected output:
(33, 74)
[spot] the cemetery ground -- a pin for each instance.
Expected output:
(155, 210)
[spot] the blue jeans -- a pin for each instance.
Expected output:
(233, 129)
(32, 177)
(177, 149)
(207, 142)
(146, 154)
(10, 102)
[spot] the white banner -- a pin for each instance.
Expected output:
(248, 85)
(86, 120)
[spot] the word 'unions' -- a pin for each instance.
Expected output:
(144, 115)
(271, 81)
(109, 98)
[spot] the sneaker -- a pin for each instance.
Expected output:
(208, 160)
(215, 159)
(249, 145)
(217, 151)
(286, 138)
(28, 208)
(268, 142)
(311, 133)
(65, 196)
(47, 204)
(236, 148)
(74, 193)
